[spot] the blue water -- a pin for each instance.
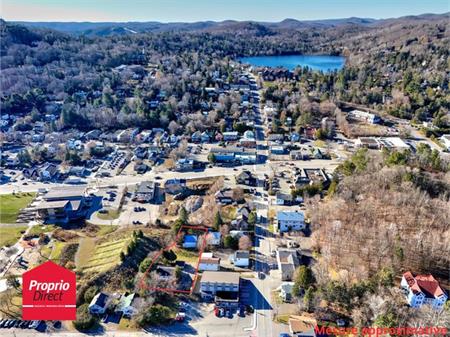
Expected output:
(324, 63)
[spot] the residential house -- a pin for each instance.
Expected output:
(365, 116)
(287, 221)
(184, 164)
(240, 224)
(140, 168)
(99, 304)
(241, 258)
(205, 137)
(367, 142)
(213, 238)
(303, 326)
(246, 156)
(12, 160)
(294, 137)
(209, 262)
(243, 212)
(127, 135)
(393, 143)
(230, 136)
(288, 262)
(79, 171)
(221, 286)
(31, 173)
(224, 196)
(248, 139)
(286, 291)
(145, 191)
(48, 172)
(445, 140)
(165, 273)
(276, 138)
(190, 241)
(278, 150)
(126, 305)
(310, 132)
(196, 137)
(92, 135)
(283, 199)
(175, 186)
(223, 156)
(423, 289)
(246, 178)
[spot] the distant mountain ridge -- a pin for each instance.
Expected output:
(123, 28)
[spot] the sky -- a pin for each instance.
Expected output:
(216, 10)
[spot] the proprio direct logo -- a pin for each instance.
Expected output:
(49, 293)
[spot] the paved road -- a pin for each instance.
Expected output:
(264, 324)
(122, 180)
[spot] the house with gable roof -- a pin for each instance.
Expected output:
(423, 289)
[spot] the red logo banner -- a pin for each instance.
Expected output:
(49, 293)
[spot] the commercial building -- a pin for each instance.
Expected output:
(64, 204)
(222, 287)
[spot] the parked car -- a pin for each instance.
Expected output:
(34, 324)
(180, 317)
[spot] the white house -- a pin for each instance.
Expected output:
(99, 304)
(287, 221)
(445, 140)
(423, 289)
(231, 135)
(209, 262)
(126, 305)
(241, 258)
(213, 238)
(286, 291)
(288, 262)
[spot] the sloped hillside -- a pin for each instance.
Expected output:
(386, 217)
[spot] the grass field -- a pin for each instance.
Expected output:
(228, 213)
(186, 255)
(11, 204)
(106, 255)
(11, 303)
(56, 251)
(283, 319)
(111, 215)
(36, 230)
(105, 229)
(10, 235)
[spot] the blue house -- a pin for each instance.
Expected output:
(295, 137)
(190, 241)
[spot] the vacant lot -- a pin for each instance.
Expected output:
(11, 204)
(106, 255)
(186, 255)
(10, 235)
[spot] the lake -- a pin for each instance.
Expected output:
(323, 63)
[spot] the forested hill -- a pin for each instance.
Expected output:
(388, 210)
(397, 66)
(121, 28)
